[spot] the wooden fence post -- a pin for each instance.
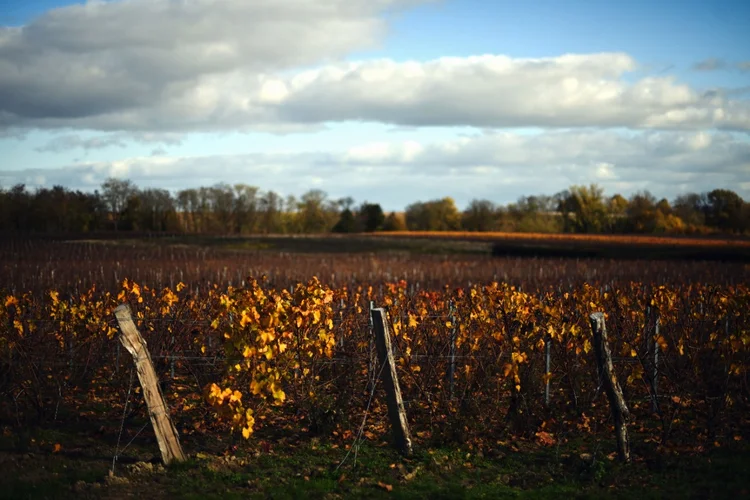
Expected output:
(370, 352)
(547, 368)
(452, 354)
(166, 434)
(607, 377)
(396, 411)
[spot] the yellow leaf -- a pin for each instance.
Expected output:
(278, 394)
(245, 319)
(385, 486)
(662, 342)
(507, 369)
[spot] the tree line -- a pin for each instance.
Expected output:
(242, 209)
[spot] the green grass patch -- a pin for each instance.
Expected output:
(32, 467)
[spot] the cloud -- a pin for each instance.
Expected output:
(711, 64)
(275, 66)
(109, 63)
(497, 91)
(716, 64)
(75, 141)
(69, 142)
(13, 133)
(500, 166)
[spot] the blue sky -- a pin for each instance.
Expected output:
(362, 101)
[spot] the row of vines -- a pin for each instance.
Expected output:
(472, 361)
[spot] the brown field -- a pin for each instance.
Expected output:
(479, 432)
(576, 238)
(337, 260)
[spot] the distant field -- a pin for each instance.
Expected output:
(595, 246)
(577, 238)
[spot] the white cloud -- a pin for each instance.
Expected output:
(75, 141)
(275, 65)
(112, 64)
(499, 166)
(604, 171)
(497, 91)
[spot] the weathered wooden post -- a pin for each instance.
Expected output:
(607, 377)
(396, 411)
(655, 407)
(371, 352)
(547, 368)
(166, 434)
(452, 355)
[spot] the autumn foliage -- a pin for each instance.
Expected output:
(471, 359)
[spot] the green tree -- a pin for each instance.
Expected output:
(725, 210)
(316, 214)
(690, 208)
(223, 204)
(534, 213)
(116, 194)
(480, 215)
(394, 222)
(157, 210)
(188, 205)
(271, 208)
(245, 210)
(434, 215)
(617, 208)
(370, 217)
(583, 209)
(347, 223)
(641, 212)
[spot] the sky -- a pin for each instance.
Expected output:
(387, 101)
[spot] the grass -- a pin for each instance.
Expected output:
(322, 243)
(454, 243)
(31, 468)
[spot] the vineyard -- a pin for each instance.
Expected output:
(490, 352)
